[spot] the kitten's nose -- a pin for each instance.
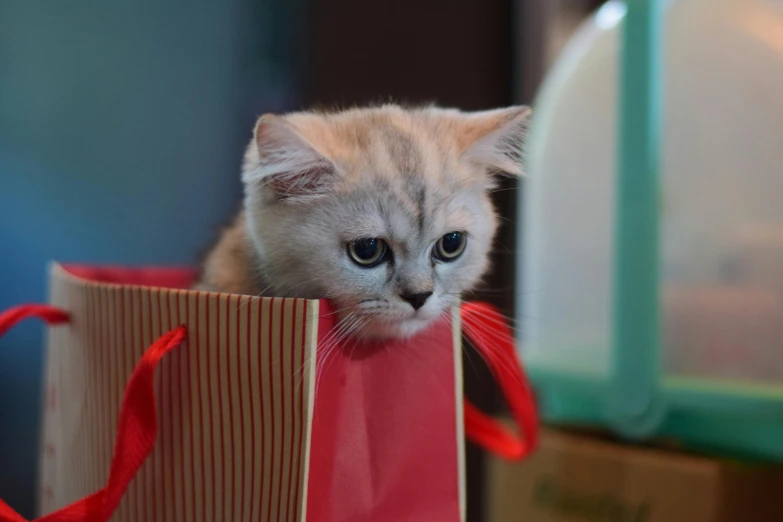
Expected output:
(416, 300)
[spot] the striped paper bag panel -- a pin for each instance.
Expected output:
(245, 432)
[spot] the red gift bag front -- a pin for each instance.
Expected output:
(264, 412)
(388, 431)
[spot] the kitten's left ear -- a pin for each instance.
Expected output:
(285, 165)
(494, 139)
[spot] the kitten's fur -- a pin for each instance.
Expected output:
(314, 182)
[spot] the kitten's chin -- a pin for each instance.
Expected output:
(397, 329)
(399, 322)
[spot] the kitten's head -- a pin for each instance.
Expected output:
(384, 211)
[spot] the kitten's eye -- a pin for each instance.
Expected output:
(367, 252)
(450, 246)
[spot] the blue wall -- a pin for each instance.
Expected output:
(121, 132)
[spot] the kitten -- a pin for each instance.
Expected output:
(385, 211)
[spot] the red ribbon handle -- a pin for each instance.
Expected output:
(48, 314)
(136, 431)
(487, 330)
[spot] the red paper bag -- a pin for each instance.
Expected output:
(264, 413)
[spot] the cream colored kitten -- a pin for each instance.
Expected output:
(384, 211)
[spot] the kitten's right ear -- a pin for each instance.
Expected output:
(283, 163)
(496, 138)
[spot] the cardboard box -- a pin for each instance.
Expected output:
(587, 478)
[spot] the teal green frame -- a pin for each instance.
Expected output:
(636, 399)
(725, 417)
(634, 405)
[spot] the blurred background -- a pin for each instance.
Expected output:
(122, 128)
